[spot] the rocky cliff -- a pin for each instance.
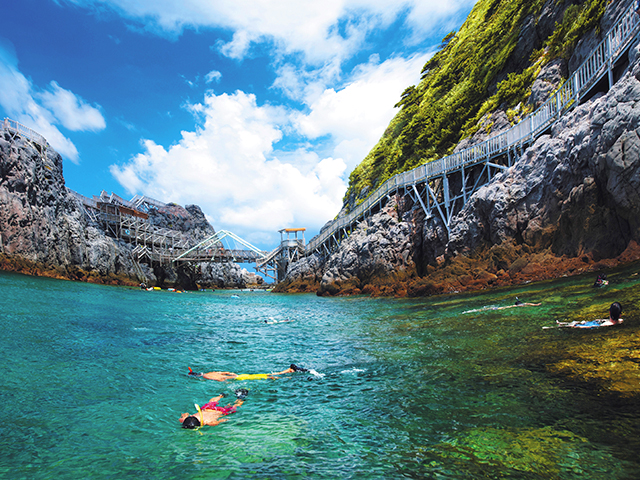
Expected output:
(570, 204)
(44, 230)
(486, 72)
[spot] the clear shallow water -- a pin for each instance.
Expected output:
(94, 380)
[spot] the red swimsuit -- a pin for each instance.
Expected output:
(214, 406)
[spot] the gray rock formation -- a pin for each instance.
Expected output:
(43, 223)
(379, 248)
(228, 275)
(189, 220)
(547, 81)
(575, 193)
(307, 269)
(584, 179)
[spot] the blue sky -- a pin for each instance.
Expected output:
(255, 110)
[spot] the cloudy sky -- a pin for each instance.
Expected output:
(255, 110)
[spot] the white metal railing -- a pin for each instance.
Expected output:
(86, 201)
(215, 239)
(139, 200)
(568, 95)
(32, 135)
(115, 200)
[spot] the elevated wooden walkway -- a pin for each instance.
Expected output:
(443, 187)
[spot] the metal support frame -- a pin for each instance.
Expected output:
(601, 62)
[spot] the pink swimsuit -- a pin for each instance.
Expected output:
(214, 406)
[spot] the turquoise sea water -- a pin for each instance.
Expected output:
(94, 380)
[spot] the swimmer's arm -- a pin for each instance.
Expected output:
(610, 323)
(565, 324)
(288, 370)
(213, 423)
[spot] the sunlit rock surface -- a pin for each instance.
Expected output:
(44, 231)
(570, 204)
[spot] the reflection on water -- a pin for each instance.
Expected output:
(445, 387)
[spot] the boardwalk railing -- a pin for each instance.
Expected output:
(86, 201)
(13, 126)
(599, 63)
(142, 202)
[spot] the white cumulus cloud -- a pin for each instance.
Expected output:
(357, 115)
(43, 110)
(229, 167)
(72, 111)
(320, 30)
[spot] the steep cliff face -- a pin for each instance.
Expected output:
(575, 192)
(42, 223)
(502, 63)
(189, 220)
(569, 205)
(26, 209)
(377, 254)
(44, 231)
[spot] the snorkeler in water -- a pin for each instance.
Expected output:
(210, 413)
(601, 281)
(614, 319)
(493, 307)
(223, 376)
(271, 321)
(523, 304)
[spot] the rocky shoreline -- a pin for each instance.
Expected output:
(569, 205)
(44, 230)
(19, 264)
(503, 265)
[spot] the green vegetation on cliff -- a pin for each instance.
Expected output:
(460, 84)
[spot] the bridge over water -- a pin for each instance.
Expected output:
(128, 220)
(443, 187)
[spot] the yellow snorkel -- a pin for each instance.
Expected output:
(201, 416)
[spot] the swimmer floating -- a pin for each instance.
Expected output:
(223, 376)
(614, 319)
(210, 413)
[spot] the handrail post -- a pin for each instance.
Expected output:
(609, 66)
